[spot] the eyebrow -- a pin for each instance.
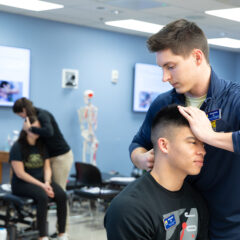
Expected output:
(164, 65)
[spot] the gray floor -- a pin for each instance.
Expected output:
(83, 224)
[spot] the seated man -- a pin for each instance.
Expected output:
(160, 204)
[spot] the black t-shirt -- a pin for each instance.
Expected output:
(144, 210)
(34, 164)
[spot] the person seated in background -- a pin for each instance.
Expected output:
(161, 204)
(32, 178)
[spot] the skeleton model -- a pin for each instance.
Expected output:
(88, 123)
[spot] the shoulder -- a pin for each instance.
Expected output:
(41, 111)
(132, 213)
(134, 197)
(15, 152)
(223, 88)
(15, 147)
(43, 114)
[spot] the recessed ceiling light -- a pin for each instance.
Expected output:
(136, 25)
(154, 28)
(230, 13)
(33, 5)
(225, 42)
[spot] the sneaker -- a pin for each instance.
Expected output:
(63, 237)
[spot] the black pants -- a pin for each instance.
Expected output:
(41, 199)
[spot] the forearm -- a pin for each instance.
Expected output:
(46, 129)
(47, 171)
(28, 178)
(47, 176)
(220, 140)
(43, 131)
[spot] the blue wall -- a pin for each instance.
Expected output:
(94, 53)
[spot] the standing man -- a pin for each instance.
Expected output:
(60, 154)
(160, 204)
(182, 51)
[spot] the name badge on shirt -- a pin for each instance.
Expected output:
(169, 221)
(214, 115)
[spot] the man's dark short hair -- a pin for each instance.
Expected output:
(166, 118)
(181, 37)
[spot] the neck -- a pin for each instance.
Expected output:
(201, 87)
(31, 141)
(166, 176)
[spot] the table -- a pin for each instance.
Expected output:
(4, 157)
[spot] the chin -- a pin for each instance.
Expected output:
(195, 172)
(180, 91)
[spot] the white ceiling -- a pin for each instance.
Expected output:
(93, 13)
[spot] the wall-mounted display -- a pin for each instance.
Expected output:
(147, 85)
(14, 74)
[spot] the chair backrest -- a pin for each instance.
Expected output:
(87, 174)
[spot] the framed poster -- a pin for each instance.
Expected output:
(14, 74)
(69, 78)
(147, 86)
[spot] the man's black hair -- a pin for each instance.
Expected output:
(166, 118)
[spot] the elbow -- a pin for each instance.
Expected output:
(20, 174)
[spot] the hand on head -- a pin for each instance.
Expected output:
(198, 121)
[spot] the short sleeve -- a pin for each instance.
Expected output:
(15, 152)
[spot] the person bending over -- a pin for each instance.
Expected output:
(60, 154)
(160, 204)
(32, 177)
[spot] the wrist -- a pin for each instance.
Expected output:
(211, 138)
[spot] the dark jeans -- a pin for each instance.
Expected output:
(41, 199)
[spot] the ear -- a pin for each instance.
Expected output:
(163, 145)
(198, 56)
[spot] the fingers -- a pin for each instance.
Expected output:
(150, 160)
(191, 112)
(185, 112)
(51, 194)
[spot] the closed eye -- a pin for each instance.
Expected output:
(170, 67)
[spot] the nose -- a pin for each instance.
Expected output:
(166, 76)
(201, 150)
